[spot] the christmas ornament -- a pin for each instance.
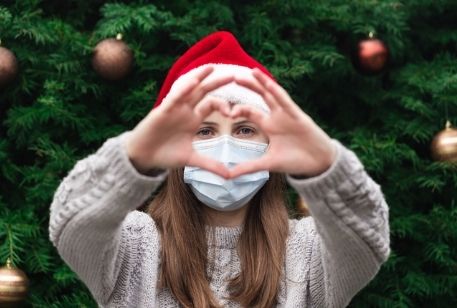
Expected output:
(14, 285)
(112, 58)
(301, 207)
(444, 144)
(8, 66)
(370, 56)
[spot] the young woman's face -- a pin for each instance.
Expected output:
(216, 125)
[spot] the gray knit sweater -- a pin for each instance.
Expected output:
(115, 249)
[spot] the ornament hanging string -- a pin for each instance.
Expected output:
(446, 111)
(9, 264)
(9, 236)
(14, 283)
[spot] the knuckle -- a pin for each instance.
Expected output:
(206, 87)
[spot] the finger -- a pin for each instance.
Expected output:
(279, 94)
(250, 83)
(197, 160)
(268, 98)
(251, 113)
(207, 86)
(205, 72)
(192, 83)
(261, 164)
(210, 104)
(261, 77)
(257, 87)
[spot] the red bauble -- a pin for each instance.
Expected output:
(8, 67)
(112, 58)
(371, 56)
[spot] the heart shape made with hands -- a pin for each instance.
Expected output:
(296, 144)
(221, 100)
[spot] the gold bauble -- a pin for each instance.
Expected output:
(301, 207)
(8, 66)
(112, 58)
(14, 285)
(444, 144)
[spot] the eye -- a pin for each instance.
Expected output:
(245, 131)
(205, 132)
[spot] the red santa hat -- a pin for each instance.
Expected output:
(222, 51)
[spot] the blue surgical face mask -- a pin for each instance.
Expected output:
(217, 192)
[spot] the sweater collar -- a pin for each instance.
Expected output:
(224, 237)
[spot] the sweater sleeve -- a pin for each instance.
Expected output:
(351, 218)
(88, 214)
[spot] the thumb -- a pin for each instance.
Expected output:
(251, 166)
(198, 160)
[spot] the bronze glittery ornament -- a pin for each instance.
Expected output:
(8, 66)
(14, 285)
(112, 58)
(444, 144)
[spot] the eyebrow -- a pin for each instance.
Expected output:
(209, 123)
(242, 122)
(216, 124)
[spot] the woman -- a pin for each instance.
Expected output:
(221, 139)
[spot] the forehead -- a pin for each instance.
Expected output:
(218, 118)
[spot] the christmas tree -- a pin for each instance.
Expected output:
(59, 110)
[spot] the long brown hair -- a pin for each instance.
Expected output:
(261, 247)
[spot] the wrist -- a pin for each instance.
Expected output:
(139, 164)
(144, 169)
(326, 163)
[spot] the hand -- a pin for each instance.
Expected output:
(297, 145)
(163, 139)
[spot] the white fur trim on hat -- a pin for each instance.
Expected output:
(231, 92)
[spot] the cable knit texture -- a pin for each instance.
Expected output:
(115, 249)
